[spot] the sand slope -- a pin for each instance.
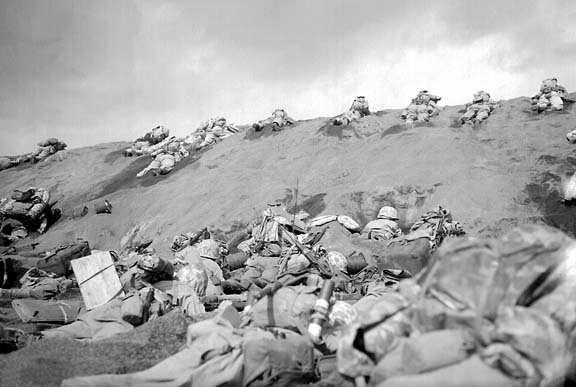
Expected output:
(504, 172)
(492, 176)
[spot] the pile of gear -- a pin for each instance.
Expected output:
(359, 109)
(272, 253)
(479, 109)
(45, 149)
(422, 108)
(280, 304)
(278, 120)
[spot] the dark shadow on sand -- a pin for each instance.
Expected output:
(126, 178)
(265, 131)
(340, 131)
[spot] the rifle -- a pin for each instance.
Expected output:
(237, 300)
(200, 234)
(438, 232)
(270, 289)
(295, 205)
(323, 266)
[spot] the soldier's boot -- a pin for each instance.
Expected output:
(43, 225)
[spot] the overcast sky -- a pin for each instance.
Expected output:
(97, 71)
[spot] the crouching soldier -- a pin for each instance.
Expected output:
(32, 208)
(165, 159)
(359, 109)
(213, 131)
(142, 144)
(278, 119)
(47, 148)
(436, 225)
(480, 108)
(385, 227)
(550, 97)
(422, 108)
(156, 135)
(38, 284)
(9, 162)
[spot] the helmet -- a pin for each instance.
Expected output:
(297, 262)
(209, 248)
(388, 212)
(338, 261)
(220, 121)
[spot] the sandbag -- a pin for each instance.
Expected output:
(58, 262)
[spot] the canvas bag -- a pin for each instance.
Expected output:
(277, 360)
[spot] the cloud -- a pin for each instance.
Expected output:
(105, 71)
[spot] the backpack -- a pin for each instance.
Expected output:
(49, 142)
(277, 359)
(288, 308)
(481, 96)
(23, 196)
(548, 85)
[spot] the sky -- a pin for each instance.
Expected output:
(89, 71)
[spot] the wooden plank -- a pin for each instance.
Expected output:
(97, 278)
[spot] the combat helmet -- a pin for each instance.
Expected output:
(388, 212)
